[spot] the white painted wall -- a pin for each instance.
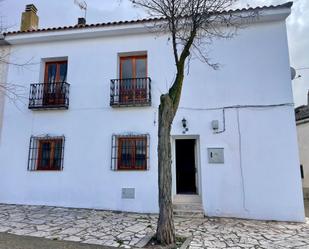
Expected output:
(263, 183)
(4, 52)
(303, 138)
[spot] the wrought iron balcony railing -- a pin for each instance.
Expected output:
(49, 95)
(130, 92)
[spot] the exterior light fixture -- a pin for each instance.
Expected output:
(184, 125)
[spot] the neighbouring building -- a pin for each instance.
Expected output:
(302, 122)
(87, 136)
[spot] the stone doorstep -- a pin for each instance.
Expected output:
(185, 199)
(188, 206)
(189, 213)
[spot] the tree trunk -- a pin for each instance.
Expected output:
(165, 229)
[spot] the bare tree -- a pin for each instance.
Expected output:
(14, 92)
(192, 25)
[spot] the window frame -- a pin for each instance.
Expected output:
(53, 93)
(134, 58)
(35, 160)
(118, 140)
(52, 143)
(58, 63)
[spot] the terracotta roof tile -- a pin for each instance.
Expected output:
(145, 20)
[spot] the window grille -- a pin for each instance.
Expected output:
(46, 153)
(130, 152)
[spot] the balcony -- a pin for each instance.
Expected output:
(130, 92)
(49, 96)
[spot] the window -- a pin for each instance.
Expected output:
(55, 79)
(130, 152)
(132, 67)
(46, 153)
(53, 91)
(55, 71)
(133, 85)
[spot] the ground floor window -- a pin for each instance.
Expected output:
(130, 152)
(46, 153)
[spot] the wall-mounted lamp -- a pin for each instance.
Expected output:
(184, 125)
(215, 125)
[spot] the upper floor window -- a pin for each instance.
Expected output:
(130, 152)
(132, 67)
(133, 85)
(55, 71)
(46, 153)
(53, 93)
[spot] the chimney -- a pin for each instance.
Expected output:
(308, 98)
(81, 21)
(29, 18)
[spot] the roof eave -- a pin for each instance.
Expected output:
(71, 34)
(123, 28)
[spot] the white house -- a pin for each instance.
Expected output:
(87, 136)
(4, 52)
(302, 124)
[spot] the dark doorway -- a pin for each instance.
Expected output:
(185, 166)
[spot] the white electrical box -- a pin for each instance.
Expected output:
(216, 155)
(215, 125)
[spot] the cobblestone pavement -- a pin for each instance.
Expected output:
(126, 229)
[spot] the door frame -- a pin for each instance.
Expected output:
(197, 162)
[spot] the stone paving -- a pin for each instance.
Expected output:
(126, 229)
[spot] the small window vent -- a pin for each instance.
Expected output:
(128, 193)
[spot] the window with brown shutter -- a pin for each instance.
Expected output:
(132, 88)
(130, 152)
(46, 153)
(54, 82)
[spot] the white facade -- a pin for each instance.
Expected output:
(260, 176)
(303, 138)
(4, 51)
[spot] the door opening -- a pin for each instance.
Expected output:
(185, 166)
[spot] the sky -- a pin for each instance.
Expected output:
(64, 12)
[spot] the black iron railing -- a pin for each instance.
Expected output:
(130, 92)
(49, 95)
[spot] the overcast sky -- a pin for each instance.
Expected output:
(64, 12)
